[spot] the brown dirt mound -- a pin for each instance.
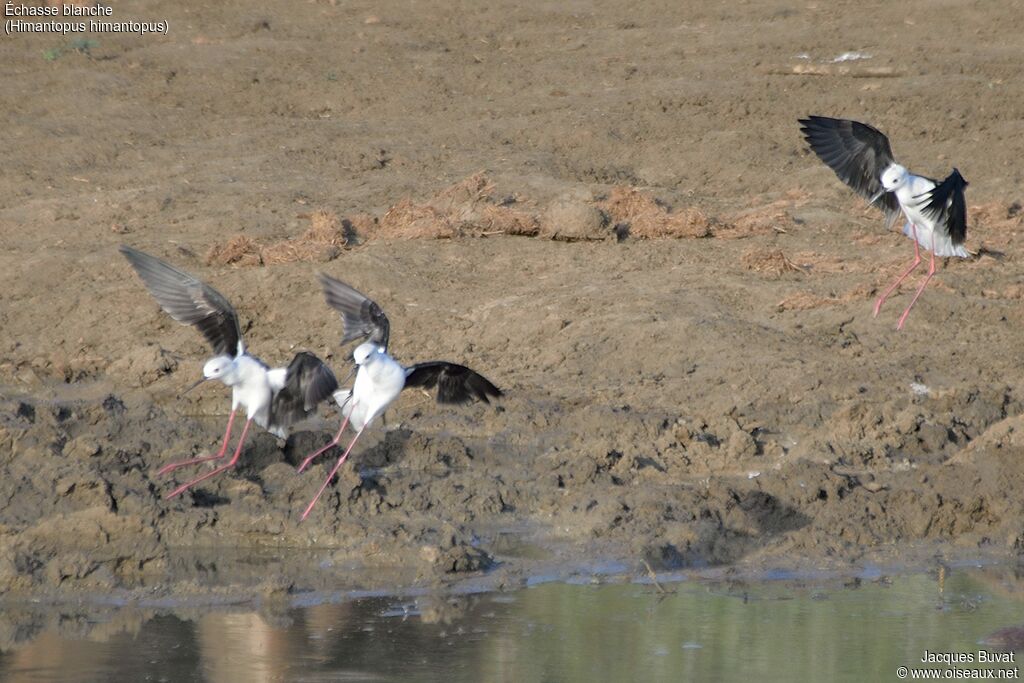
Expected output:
(648, 218)
(574, 218)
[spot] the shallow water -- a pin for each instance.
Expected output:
(783, 629)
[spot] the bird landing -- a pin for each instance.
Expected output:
(936, 212)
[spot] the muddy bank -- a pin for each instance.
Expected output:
(695, 380)
(824, 446)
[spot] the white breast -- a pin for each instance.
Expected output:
(252, 391)
(378, 383)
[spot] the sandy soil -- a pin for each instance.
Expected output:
(607, 209)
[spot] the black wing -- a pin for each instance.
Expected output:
(308, 381)
(189, 301)
(857, 152)
(947, 206)
(455, 383)
(360, 316)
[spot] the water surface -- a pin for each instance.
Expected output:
(785, 630)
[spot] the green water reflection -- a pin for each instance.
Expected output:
(775, 630)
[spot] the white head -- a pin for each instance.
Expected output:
(365, 352)
(218, 367)
(893, 177)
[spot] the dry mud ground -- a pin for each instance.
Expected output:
(709, 391)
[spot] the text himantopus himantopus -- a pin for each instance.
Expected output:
(936, 211)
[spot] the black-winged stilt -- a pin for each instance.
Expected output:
(273, 398)
(936, 211)
(379, 377)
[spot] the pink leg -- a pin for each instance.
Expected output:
(332, 444)
(901, 278)
(220, 454)
(330, 476)
(211, 473)
(931, 271)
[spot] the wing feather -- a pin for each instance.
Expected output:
(189, 301)
(857, 153)
(308, 381)
(455, 383)
(360, 316)
(947, 205)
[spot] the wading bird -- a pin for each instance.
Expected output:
(273, 398)
(379, 377)
(936, 211)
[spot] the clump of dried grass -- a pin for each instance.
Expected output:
(295, 251)
(240, 250)
(762, 220)
(323, 241)
(467, 208)
(408, 220)
(325, 238)
(470, 190)
(495, 219)
(471, 208)
(647, 218)
(325, 228)
(771, 261)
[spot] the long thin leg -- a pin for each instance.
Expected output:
(901, 278)
(330, 476)
(220, 454)
(211, 473)
(332, 444)
(931, 271)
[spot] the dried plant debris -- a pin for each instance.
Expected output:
(469, 208)
(473, 207)
(323, 241)
(642, 216)
(239, 250)
(770, 261)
